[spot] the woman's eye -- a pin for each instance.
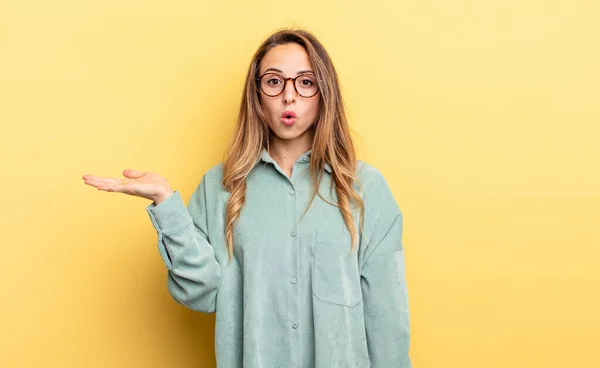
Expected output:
(307, 82)
(273, 81)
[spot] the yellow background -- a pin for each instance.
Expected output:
(483, 116)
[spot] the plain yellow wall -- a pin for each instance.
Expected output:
(483, 116)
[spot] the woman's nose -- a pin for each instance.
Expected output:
(289, 92)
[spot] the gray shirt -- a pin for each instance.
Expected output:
(293, 295)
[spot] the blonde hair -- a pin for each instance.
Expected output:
(332, 141)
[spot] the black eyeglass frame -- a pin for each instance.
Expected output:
(285, 80)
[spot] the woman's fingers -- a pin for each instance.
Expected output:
(98, 179)
(108, 184)
(95, 177)
(113, 188)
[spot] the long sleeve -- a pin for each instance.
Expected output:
(194, 274)
(383, 282)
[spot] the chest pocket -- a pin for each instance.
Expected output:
(336, 278)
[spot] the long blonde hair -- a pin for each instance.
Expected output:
(332, 141)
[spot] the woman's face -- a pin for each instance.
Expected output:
(289, 115)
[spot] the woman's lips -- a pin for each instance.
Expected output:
(288, 118)
(288, 121)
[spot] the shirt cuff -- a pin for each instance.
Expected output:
(170, 215)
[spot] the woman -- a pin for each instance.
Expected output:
(297, 278)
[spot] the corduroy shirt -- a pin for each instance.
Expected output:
(293, 295)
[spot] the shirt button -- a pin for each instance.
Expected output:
(292, 192)
(306, 159)
(293, 233)
(294, 325)
(293, 280)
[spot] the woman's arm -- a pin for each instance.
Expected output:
(385, 300)
(193, 272)
(383, 282)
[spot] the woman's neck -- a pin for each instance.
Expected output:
(286, 152)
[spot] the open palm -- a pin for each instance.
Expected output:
(137, 183)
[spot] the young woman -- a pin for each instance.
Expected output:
(298, 277)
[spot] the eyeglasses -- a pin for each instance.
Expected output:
(272, 84)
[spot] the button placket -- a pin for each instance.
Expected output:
(294, 312)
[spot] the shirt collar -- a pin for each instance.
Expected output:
(303, 159)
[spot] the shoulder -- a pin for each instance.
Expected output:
(374, 188)
(211, 180)
(369, 176)
(214, 174)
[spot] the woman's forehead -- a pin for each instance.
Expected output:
(289, 59)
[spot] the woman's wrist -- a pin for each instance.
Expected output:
(167, 193)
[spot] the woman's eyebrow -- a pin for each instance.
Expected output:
(273, 70)
(279, 71)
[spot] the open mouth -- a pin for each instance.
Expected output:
(288, 115)
(288, 118)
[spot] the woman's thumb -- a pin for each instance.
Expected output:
(132, 174)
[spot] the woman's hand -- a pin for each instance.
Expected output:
(141, 184)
